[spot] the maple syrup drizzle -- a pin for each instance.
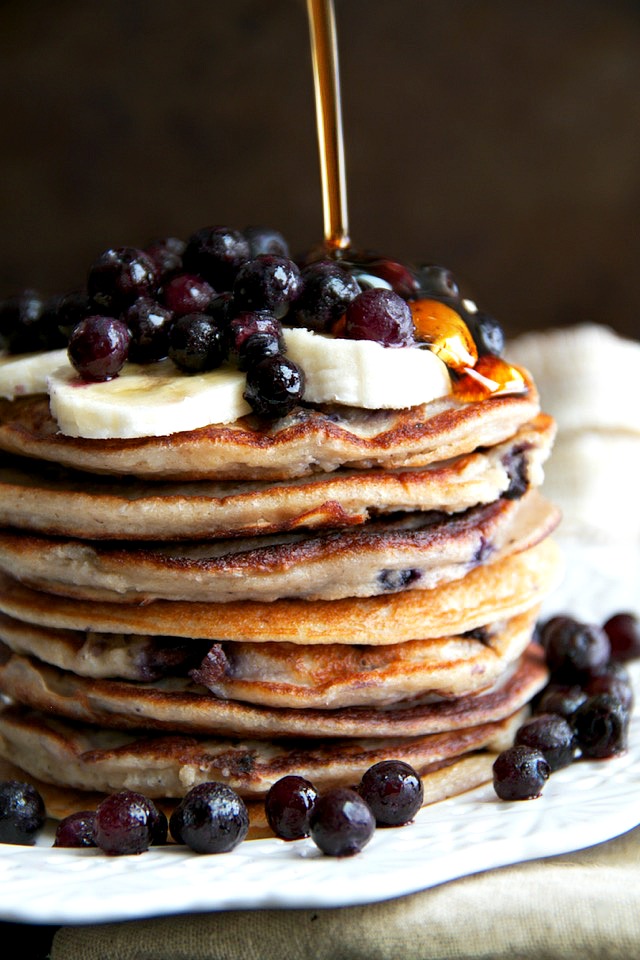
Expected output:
(437, 325)
(324, 52)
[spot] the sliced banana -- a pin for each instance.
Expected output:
(362, 373)
(158, 400)
(24, 373)
(152, 400)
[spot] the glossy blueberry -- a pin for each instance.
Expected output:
(123, 823)
(267, 283)
(118, 277)
(288, 807)
(149, 324)
(22, 812)
(341, 823)
(327, 291)
(601, 726)
(211, 818)
(379, 315)
(216, 253)
(520, 773)
(487, 334)
(394, 792)
(76, 830)
(98, 347)
(574, 650)
(436, 282)
(552, 735)
(197, 343)
(187, 293)
(275, 386)
(166, 254)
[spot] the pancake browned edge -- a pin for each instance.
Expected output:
(410, 545)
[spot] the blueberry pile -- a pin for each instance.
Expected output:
(221, 296)
(583, 712)
(342, 821)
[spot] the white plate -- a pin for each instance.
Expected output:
(584, 804)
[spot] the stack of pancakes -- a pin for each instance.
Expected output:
(241, 602)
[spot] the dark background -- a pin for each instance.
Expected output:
(500, 138)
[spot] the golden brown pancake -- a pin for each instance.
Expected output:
(49, 499)
(310, 440)
(179, 705)
(90, 758)
(279, 674)
(488, 593)
(418, 551)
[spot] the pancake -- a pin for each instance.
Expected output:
(91, 758)
(418, 551)
(52, 500)
(179, 705)
(309, 440)
(285, 674)
(488, 593)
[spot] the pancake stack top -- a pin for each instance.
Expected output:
(207, 576)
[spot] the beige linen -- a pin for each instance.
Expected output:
(584, 904)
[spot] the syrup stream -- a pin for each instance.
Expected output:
(324, 53)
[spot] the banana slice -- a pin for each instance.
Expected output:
(152, 400)
(362, 373)
(157, 400)
(24, 373)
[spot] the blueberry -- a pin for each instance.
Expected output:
(394, 792)
(379, 315)
(614, 680)
(265, 240)
(216, 253)
(22, 812)
(575, 651)
(254, 335)
(72, 307)
(118, 277)
(123, 823)
(560, 699)
(98, 347)
(436, 281)
(288, 807)
(275, 386)
(76, 830)
(24, 327)
(341, 823)
(211, 818)
(267, 283)
(370, 270)
(552, 735)
(197, 343)
(623, 630)
(487, 334)
(187, 293)
(166, 254)
(149, 324)
(520, 773)
(327, 291)
(601, 725)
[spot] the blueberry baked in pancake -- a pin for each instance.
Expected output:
(263, 517)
